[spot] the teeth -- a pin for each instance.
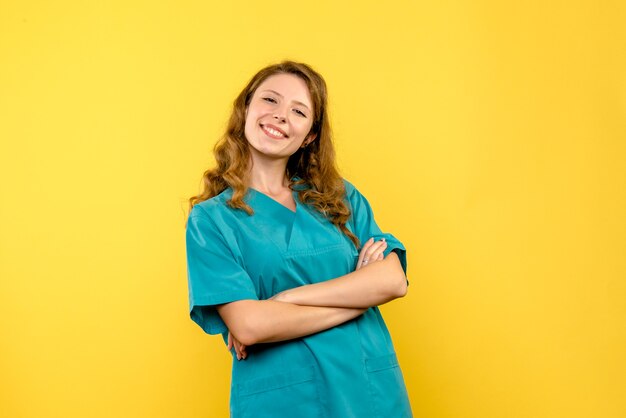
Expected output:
(272, 131)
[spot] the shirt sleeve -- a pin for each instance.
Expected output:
(364, 226)
(214, 274)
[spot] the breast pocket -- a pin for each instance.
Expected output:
(387, 387)
(290, 394)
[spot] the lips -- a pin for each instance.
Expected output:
(273, 131)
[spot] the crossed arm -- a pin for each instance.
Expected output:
(316, 307)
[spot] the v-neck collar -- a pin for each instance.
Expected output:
(292, 232)
(294, 194)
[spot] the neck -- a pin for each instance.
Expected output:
(268, 175)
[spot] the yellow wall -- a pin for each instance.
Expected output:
(490, 138)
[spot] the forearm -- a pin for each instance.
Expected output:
(373, 285)
(264, 321)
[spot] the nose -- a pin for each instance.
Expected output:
(279, 114)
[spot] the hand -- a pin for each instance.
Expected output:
(240, 349)
(371, 252)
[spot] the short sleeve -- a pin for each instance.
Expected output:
(214, 274)
(364, 225)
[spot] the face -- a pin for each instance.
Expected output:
(279, 117)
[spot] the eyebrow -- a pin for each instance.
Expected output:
(277, 93)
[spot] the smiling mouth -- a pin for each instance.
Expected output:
(273, 133)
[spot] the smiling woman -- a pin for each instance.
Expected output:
(277, 124)
(286, 261)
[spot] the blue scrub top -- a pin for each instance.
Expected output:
(350, 370)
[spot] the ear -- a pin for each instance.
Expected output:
(309, 139)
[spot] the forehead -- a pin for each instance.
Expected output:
(290, 86)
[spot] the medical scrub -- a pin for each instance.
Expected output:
(350, 370)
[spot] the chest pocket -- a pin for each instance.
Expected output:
(290, 394)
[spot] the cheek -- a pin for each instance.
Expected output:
(251, 117)
(249, 127)
(305, 127)
(260, 108)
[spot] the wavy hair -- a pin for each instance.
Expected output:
(318, 181)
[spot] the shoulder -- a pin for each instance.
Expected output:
(209, 221)
(356, 200)
(350, 188)
(212, 207)
(352, 193)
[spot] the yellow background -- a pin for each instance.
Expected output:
(488, 136)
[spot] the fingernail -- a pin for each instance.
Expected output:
(382, 239)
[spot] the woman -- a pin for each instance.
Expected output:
(273, 263)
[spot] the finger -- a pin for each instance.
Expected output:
(241, 350)
(238, 348)
(230, 341)
(373, 249)
(379, 252)
(366, 255)
(365, 247)
(375, 253)
(367, 243)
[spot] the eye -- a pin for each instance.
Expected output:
(269, 99)
(299, 112)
